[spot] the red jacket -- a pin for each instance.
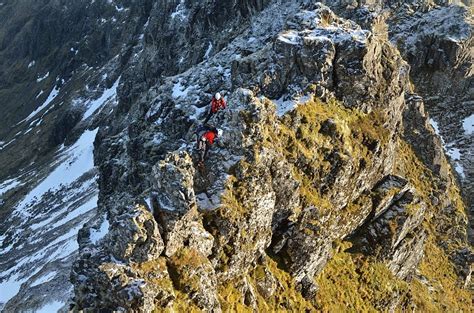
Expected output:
(210, 136)
(216, 105)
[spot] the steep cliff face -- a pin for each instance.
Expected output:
(442, 73)
(435, 38)
(329, 189)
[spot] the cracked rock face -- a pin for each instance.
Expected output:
(176, 209)
(133, 240)
(395, 234)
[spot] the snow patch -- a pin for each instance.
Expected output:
(8, 185)
(9, 288)
(51, 307)
(454, 153)
(39, 94)
(7, 144)
(31, 64)
(459, 169)
(83, 209)
(88, 206)
(208, 51)
(468, 125)
(455, 156)
(40, 79)
(148, 202)
(435, 126)
(198, 113)
(284, 106)
(100, 233)
(77, 160)
(317, 38)
(44, 279)
(107, 95)
(179, 91)
(290, 37)
(180, 11)
(53, 94)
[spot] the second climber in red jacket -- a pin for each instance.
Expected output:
(206, 141)
(217, 103)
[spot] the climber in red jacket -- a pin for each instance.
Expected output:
(217, 103)
(205, 141)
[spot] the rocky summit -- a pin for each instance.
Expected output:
(341, 178)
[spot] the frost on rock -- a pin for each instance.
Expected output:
(435, 23)
(180, 11)
(290, 37)
(312, 136)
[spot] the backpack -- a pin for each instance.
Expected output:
(201, 130)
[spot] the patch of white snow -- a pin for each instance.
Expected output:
(435, 126)
(108, 94)
(290, 37)
(51, 307)
(468, 125)
(180, 11)
(208, 51)
(43, 279)
(77, 160)
(50, 98)
(8, 185)
(460, 169)
(39, 94)
(284, 106)
(9, 288)
(40, 79)
(100, 233)
(454, 153)
(179, 91)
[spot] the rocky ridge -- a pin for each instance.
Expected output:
(329, 178)
(292, 176)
